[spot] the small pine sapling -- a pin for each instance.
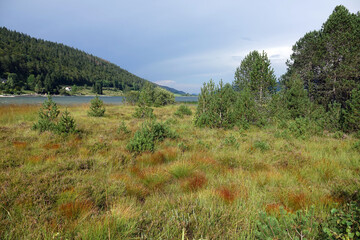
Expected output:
(66, 124)
(97, 108)
(47, 116)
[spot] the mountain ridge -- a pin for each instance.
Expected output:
(44, 66)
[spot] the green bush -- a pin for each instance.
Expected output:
(146, 137)
(97, 108)
(299, 225)
(216, 106)
(47, 116)
(299, 127)
(344, 223)
(183, 110)
(352, 112)
(261, 145)
(144, 112)
(66, 124)
(123, 129)
(230, 141)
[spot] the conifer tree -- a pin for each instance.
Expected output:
(47, 116)
(97, 108)
(255, 72)
(352, 112)
(66, 124)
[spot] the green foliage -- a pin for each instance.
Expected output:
(356, 146)
(132, 97)
(163, 97)
(261, 145)
(245, 109)
(300, 225)
(97, 108)
(256, 74)
(47, 116)
(216, 106)
(48, 119)
(143, 111)
(333, 117)
(183, 110)
(230, 141)
(67, 124)
(328, 60)
(123, 129)
(296, 98)
(299, 127)
(352, 112)
(155, 96)
(146, 137)
(344, 223)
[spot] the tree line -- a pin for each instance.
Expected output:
(320, 90)
(43, 66)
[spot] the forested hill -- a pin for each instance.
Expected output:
(43, 66)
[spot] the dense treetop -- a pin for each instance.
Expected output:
(43, 66)
(328, 60)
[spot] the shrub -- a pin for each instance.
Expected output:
(97, 108)
(299, 127)
(144, 112)
(47, 116)
(163, 97)
(262, 145)
(216, 106)
(352, 112)
(131, 97)
(66, 124)
(183, 110)
(123, 129)
(344, 223)
(301, 225)
(146, 137)
(230, 141)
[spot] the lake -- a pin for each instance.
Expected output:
(68, 100)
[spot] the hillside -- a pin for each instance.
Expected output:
(43, 66)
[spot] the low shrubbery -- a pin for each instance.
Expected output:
(183, 110)
(146, 137)
(287, 225)
(97, 108)
(48, 121)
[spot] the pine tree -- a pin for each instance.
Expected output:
(66, 124)
(352, 112)
(97, 108)
(296, 98)
(255, 72)
(47, 116)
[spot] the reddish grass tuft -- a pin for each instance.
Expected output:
(274, 208)
(227, 194)
(157, 158)
(53, 146)
(137, 172)
(195, 182)
(19, 145)
(297, 201)
(73, 210)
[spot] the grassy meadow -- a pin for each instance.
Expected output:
(204, 184)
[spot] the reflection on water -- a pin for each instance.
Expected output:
(66, 100)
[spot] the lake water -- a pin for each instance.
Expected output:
(68, 100)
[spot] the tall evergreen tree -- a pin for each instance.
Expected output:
(328, 60)
(255, 72)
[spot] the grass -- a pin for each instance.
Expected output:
(205, 184)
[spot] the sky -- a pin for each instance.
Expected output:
(180, 44)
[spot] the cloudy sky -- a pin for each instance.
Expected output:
(180, 44)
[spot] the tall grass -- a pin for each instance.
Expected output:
(205, 184)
